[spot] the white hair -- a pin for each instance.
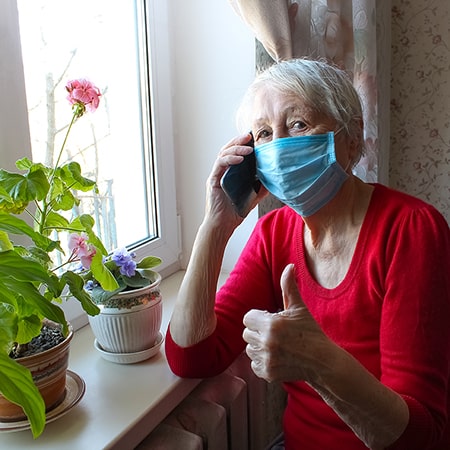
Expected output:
(323, 87)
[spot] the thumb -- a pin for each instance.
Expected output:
(289, 289)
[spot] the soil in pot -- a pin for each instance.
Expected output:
(49, 338)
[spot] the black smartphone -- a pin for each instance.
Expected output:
(241, 184)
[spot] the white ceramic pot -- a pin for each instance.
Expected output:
(131, 321)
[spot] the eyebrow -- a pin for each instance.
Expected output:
(289, 111)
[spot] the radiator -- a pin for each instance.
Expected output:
(233, 411)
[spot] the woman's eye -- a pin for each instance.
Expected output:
(298, 125)
(262, 135)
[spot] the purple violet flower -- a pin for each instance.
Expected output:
(121, 256)
(128, 268)
(89, 285)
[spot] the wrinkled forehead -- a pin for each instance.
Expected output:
(270, 101)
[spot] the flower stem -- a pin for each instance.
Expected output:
(47, 202)
(74, 117)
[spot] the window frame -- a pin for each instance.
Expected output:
(167, 245)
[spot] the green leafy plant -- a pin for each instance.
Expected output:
(32, 286)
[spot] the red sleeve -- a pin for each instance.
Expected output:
(253, 284)
(415, 325)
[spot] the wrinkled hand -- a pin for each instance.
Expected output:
(288, 345)
(218, 205)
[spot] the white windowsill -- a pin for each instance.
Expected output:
(122, 403)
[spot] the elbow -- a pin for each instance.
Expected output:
(197, 361)
(425, 429)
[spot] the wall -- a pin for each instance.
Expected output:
(420, 100)
(213, 64)
(13, 113)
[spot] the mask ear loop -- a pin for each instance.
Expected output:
(339, 130)
(335, 134)
(348, 165)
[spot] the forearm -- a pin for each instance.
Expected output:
(375, 413)
(193, 317)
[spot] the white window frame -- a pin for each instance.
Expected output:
(167, 245)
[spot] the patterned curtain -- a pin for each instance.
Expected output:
(354, 34)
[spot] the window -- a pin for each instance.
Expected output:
(126, 145)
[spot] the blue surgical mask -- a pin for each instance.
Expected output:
(302, 171)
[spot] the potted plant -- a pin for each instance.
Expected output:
(31, 285)
(127, 327)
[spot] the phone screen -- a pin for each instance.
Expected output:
(241, 184)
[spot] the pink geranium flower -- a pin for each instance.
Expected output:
(87, 259)
(83, 93)
(79, 247)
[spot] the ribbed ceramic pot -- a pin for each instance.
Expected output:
(130, 321)
(48, 370)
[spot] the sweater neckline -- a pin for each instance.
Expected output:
(305, 275)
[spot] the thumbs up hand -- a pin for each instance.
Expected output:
(289, 345)
(292, 301)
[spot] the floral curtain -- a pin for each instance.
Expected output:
(353, 34)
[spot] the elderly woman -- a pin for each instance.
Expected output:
(343, 294)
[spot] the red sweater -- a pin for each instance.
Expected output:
(391, 312)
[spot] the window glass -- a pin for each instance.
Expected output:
(102, 41)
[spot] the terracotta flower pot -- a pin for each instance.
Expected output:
(130, 321)
(48, 370)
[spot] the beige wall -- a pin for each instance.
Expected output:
(420, 100)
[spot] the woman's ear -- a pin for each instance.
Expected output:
(357, 140)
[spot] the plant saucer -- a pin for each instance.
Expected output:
(75, 389)
(130, 358)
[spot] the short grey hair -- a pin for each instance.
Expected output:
(325, 88)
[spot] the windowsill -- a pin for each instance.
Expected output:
(122, 403)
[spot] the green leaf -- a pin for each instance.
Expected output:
(149, 262)
(100, 296)
(84, 222)
(142, 277)
(98, 244)
(37, 185)
(26, 164)
(8, 299)
(14, 225)
(17, 275)
(5, 243)
(8, 326)
(61, 196)
(76, 286)
(102, 274)
(25, 188)
(56, 221)
(35, 303)
(27, 328)
(15, 266)
(76, 226)
(71, 174)
(136, 281)
(16, 384)
(4, 194)
(35, 253)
